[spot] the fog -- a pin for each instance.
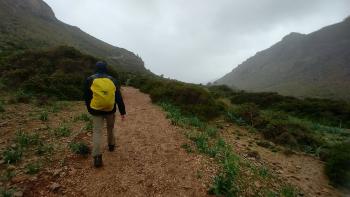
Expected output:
(197, 40)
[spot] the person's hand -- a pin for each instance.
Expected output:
(123, 117)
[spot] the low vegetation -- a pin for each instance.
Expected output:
(53, 73)
(44, 148)
(83, 117)
(6, 192)
(44, 116)
(338, 164)
(230, 180)
(39, 145)
(12, 155)
(32, 168)
(191, 99)
(324, 111)
(23, 139)
(201, 134)
(62, 131)
(2, 106)
(80, 148)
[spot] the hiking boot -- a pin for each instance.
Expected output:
(98, 161)
(111, 148)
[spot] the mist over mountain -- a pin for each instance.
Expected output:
(311, 65)
(32, 24)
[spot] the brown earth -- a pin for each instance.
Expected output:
(148, 160)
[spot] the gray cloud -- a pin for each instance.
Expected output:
(197, 40)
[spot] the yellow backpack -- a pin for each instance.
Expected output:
(103, 98)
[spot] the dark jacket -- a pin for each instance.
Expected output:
(88, 96)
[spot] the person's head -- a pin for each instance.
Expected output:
(101, 67)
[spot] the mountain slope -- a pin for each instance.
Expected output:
(313, 65)
(32, 24)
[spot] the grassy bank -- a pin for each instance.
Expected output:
(236, 174)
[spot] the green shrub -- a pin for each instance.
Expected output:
(43, 149)
(62, 131)
(262, 99)
(231, 116)
(250, 113)
(2, 107)
(6, 192)
(53, 73)
(201, 142)
(217, 150)
(224, 184)
(221, 91)
(44, 116)
(12, 155)
(191, 99)
(289, 191)
(338, 164)
(290, 134)
(8, 175)
(211, 131)
(32, 168)
(57, 106)
(89, 126)
(264, 172)
(194, 121)
(328, 112)
(24, 139)
(79, 148)
(83, 117)
(22, 96)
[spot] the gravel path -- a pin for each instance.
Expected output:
(148, 160)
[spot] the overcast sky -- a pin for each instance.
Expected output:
(197, 40)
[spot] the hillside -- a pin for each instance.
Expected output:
(312, 65)
(59, 72)
(32, 24)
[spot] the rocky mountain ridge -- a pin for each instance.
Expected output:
(312, 65)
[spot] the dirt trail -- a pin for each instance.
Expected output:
(148, 160)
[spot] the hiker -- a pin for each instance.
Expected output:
(101, 96)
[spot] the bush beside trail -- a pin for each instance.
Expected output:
(52, 73)
(192, 99)
(58, 73)
(338, 164)
(324, 111)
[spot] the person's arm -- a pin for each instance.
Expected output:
(87, 92)
(119, 98)
(120, 102)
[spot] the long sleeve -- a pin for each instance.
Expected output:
(120, 102)
(87, 92)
